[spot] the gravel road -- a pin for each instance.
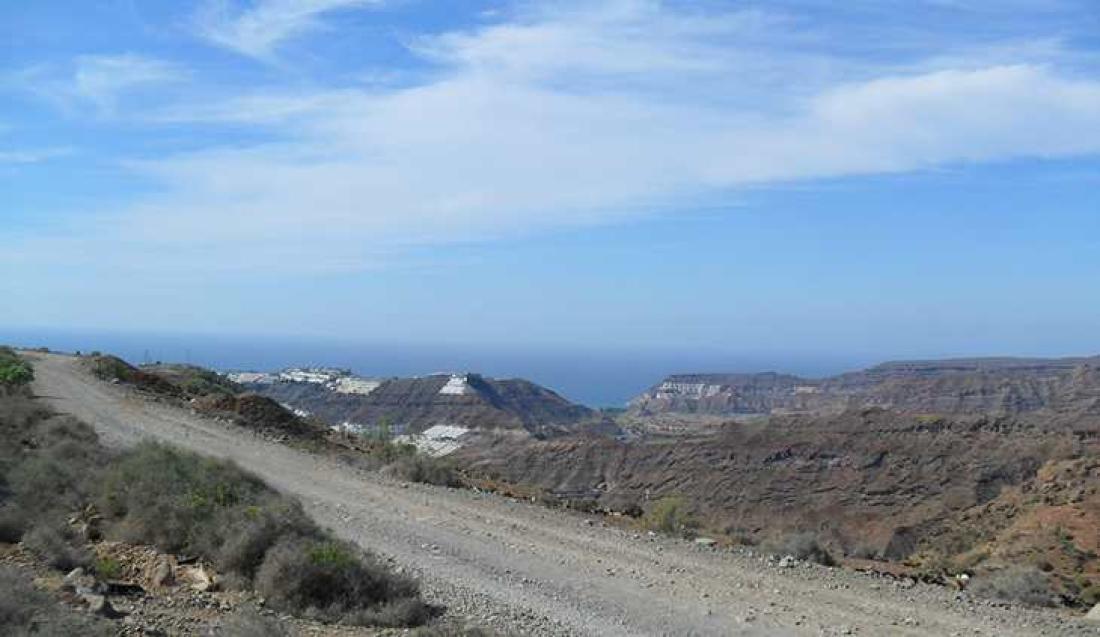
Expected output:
(523, 569)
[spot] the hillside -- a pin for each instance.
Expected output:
(411, 405)
(521, 569)
(943, 495)
(958, 386)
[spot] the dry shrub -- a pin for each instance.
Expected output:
(175, 500)
(1025, 585)
(53, 466)
(248, 538)
(186, 503)
(452, 631)
(58, 546)
(426, 469)
(802, 546)
(333, 581)
(251, 624)
(670, 515)
(25, 611)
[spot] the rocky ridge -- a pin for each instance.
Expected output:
(411, 405)
(957, 386)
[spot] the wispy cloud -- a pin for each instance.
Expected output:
(578, 114)
(102, 78)
(32, 155)
(96, 80)
(258, 30)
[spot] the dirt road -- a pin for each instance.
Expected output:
(523, 569)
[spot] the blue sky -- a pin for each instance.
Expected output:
(876, 179)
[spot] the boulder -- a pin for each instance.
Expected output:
(100, 605)
(163, 573)
(1094, 614)
(198, 578)
(78, 581)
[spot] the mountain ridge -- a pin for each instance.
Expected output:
(411, 405)
(958, 385)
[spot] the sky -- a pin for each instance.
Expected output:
(866, 179)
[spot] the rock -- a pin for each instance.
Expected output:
(72, 577)
(787, 561)
(163, 574)
(99, 605)
(1094, 614)
(198, 578)
(79, 581)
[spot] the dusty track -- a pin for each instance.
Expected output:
(527, 570)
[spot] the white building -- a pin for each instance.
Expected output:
(457, 385)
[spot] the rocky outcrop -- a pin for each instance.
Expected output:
(962, 386)
(411, 405)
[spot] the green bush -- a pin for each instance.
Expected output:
(108, 568)
(13, 370)
(670, 515)
(193, 380)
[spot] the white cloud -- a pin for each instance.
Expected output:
(102, 78)
(574, 117)
(259, 30)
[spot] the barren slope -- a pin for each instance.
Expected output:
(526, 570)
